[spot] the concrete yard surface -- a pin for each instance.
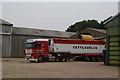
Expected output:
(19, 68)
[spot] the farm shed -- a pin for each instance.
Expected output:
(113, 40)
(96, 33)
(5, 38)
(13, 38)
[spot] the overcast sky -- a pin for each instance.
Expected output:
(55, 15)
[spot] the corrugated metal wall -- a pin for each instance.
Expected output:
(0, 39)
(113, 42)
(18, 45)
(5, 46)
(6, 31)
(0, 46)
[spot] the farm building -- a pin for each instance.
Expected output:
(5, 33)
(98, 34)
(14, 38)
(113, 40)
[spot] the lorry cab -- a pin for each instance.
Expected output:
(36, 50)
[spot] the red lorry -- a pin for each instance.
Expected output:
(39, 50)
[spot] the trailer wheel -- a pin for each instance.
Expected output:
(99, 59)
(93, 59)
(40, 59)
(64, 59)
(56, 59)
(87, 58)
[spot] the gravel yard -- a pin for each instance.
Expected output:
(19, 68)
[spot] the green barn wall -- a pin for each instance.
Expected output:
(113, 42)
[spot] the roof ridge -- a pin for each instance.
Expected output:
(112, 18)
(39, 32)
(42, 29)
(4, 22)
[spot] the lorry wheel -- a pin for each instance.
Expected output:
(40, 59)
(64, 59)
(99, 59)
(87, 59)
(93, 59)
(56, 59)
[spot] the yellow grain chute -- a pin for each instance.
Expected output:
(87, 37)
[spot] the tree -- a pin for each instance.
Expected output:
(78, 26)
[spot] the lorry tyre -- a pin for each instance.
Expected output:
(99, 59)
(40, 59)
(56, 59)
(87, 58)
(64, 59)
(93, 59)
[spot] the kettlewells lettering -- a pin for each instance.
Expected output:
(84, 47)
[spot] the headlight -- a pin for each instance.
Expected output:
(29, 51)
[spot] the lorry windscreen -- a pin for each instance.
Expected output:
(29, 45)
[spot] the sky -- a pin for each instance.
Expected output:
(55, 15)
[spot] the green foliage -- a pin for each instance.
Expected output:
(78, 26)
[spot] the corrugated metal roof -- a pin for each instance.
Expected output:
(3, 22)
(99, 30)
(112, 18)
(99, 38)
(41, 32)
